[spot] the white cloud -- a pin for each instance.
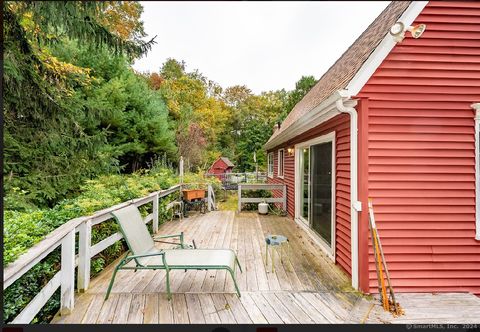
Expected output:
(264, 45)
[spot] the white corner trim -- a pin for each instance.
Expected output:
(383, 49)
(476, 107)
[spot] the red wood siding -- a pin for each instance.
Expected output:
(421, 167)
(341, 125)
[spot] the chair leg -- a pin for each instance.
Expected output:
(169, 294)
(238, 263)
(266, 255)
(235, 281)
(112, 280)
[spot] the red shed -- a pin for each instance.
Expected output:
(221, 166)
(396, 121)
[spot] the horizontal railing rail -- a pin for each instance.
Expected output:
(237, 178)
(64, 237)
(262, 186)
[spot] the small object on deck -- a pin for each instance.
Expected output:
(277, 241)
(263, 208)
(177, 210)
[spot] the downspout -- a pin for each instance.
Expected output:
(355, 205)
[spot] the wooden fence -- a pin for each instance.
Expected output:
(64, 237)
(262, 186)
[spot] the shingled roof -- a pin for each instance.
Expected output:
(227, 161)
(344, 69)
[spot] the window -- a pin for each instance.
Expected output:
(281, 155)
(270, 165)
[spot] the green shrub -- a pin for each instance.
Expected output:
(24, 228)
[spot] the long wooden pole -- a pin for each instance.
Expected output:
(390, 288)
(378, 259)
(387, 273)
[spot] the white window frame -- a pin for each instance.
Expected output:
(476, 107)
(270, 163)
(329, 250)
(283, 163)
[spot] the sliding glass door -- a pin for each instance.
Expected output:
(321, 189)
(315, 187)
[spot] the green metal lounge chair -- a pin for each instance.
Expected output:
(143, 252)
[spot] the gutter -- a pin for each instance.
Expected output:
(355, 205)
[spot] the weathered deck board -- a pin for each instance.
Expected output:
(208, 308)
(194, 308)
(251, 308)
(180, 311)
(123, 308)
(135, 316)
(150, 315)
(305, 288)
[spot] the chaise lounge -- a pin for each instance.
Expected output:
(143, 252)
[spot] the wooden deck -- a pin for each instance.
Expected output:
(305, 288)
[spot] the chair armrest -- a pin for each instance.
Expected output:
(180, 236)
(167, 236)
(161, 253)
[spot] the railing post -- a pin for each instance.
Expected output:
(68, 273)
(239, 197)
(155, 214)
(284, 198)
(84, 244)
(209, 198)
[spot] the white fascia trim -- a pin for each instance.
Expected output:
(321, 113)
(476, 107)
(383, 49)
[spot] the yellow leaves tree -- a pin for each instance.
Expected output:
(123, 19)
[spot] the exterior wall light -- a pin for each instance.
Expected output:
(290, 151)
(398, 31)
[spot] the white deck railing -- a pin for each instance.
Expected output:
(262, 186)
(64, 237)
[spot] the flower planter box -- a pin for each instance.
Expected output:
(191, 194)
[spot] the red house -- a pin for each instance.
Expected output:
(221, 166)
(396, 121)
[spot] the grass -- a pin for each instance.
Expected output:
(229, 201)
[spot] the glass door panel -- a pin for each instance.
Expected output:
(321, 190)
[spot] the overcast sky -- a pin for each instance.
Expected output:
(264, 45)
